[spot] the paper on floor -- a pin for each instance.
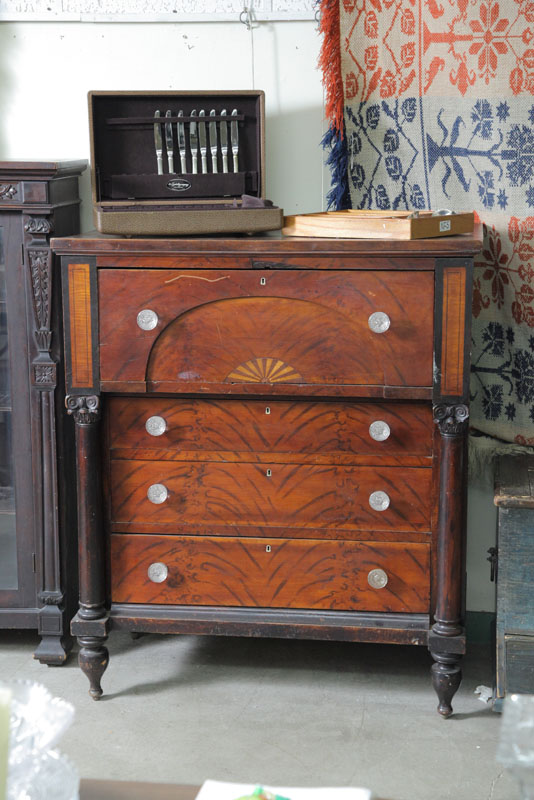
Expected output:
(219, 790)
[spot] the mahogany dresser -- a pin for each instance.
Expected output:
(270, 439)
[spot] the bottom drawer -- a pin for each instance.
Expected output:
(519, 664)
(281, 573)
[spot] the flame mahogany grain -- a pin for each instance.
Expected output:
(300, 496)
(275, 427)
(216, 326)
(293, 574)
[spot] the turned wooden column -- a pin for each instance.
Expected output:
(90, 623)
(446, 641)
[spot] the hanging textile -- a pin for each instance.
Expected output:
(431, 105)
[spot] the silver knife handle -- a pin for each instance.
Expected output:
(204, 162)
(183, 163)
(170, 158)
(214, 160)
(236, 165)
(160, 164)
(194, 167)
(225, 162)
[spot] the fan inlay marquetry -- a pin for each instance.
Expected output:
(265, 370)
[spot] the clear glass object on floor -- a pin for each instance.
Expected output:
(516, 743)
(36, 771)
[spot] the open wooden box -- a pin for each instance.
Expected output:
(131, 198)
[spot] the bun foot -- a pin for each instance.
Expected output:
(93, 660)
(446, 678)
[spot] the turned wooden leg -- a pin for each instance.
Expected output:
(447, 638)
(90, 624)
(446, 678)
(93, 660)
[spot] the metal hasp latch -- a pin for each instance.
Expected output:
(493, 559)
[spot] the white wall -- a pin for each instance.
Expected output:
(46, 70)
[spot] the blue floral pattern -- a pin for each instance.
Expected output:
(398, 154)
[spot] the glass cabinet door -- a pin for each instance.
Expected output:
(8, 542)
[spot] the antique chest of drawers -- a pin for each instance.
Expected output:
(270, 438)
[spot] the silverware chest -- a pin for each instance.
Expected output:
(179, 189)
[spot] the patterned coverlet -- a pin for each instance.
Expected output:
(431, 105)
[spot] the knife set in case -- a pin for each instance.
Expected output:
(176, 163)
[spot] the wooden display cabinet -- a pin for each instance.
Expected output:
(38, 575)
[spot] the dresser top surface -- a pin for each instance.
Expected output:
(269, 244)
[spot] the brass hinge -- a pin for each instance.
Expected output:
(493, 559)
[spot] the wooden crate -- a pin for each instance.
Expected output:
(370, 224)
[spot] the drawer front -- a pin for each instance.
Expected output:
(171, 497)
(276, 430)
(279, 574)
(223, 330)
(519, 664)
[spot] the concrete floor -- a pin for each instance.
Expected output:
(182, 709)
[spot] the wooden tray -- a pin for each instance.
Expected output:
(358, 224)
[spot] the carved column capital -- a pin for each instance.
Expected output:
(51, 598)
(451, 420)
(84, 409)
(38, 225)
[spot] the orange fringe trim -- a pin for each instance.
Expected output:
(330, 63)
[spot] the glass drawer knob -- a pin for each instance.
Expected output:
(157, 572)
(379, 322)
(157, 493)
(156, 426)
(147, 319)
(377, 578)
(379, 430)
(379, 501)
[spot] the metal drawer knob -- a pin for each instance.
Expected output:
(379, 501)
(379, 430)
(147, 319)
(377, 578)
(157, 572)
(155, 426)
(379, 322)
(157, 493)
